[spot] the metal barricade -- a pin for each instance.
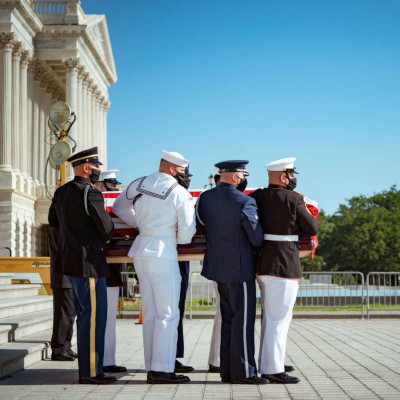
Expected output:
(129, 293)
(202, 296)
(326, 290)
(383, 291)
(331, 290)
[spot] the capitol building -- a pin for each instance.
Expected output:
(49, 51)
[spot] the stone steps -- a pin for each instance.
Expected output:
(16, 291)
(13, 328)
(24, 305)
(26, 321)
(17, 355)
(5, 279)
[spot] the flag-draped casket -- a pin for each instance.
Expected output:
(124, 235)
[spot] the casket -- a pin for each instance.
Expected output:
(119, 245)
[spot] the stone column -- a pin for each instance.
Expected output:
(98, 136)
(42, 134)
(29, 127)
(94, 120)
(35, 129)
(84, 136)
(71, 94)
(89, 114)
(48, 141)
(23, 105)
(105, 112)
(79, 134)
(7, 41)
(16, 132)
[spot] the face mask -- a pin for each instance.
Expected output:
(110, 189)
(95, 175)
(242, 185)
(292, 184)
(182, 179)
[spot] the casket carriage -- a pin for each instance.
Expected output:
(118, 247)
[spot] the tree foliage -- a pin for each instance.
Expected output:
(363, 235)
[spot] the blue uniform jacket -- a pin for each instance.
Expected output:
(230, 220)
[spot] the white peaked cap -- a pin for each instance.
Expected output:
(281, 165)
(110, 174)
(174, 158)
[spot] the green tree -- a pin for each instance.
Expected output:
(364, 235)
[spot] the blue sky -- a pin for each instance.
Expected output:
(258, 80)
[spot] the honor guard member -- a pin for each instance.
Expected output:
(63, 307)
(164, 215)
(108, 183)
(84, 227)
(230, 220)
(214, 361)
(184, 269)
(284, 219)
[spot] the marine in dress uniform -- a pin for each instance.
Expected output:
(163, 212)
(184, 269)
(108, 183)
(84, 227)
(63, 307)
(284, 219)
(230, 220)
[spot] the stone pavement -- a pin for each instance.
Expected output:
(335, 359)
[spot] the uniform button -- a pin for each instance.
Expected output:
(101, 249)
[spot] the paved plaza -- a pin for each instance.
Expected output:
(335, 359)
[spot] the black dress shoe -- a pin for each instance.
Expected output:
(114, 368)
(226, 380)
(283, 377)
(253, 380)
(72, 353)
(179, 367)
(97, 380)
(157, 377)
(289, 368)
(63, 356)
(214, 369)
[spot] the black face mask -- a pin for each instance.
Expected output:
(242, 185)
(182, 179)
(292, 183)
(95, 175)
(109, 189)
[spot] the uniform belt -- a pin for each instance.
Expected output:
(281, 238)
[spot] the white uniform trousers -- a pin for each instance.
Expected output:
(278, 296)
(159, 282)
(110, 344)
(215, 345)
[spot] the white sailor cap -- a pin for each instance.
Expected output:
(284, 164)
(110, 175)
(174, 158)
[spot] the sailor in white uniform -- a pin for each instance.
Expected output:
(163, 212)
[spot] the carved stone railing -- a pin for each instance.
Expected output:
(59, 12)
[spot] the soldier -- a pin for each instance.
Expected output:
(164, 215)
(284, 218)
(108, 183)
(184, 269)
(84, 227)
(63, 307)
(230, 220)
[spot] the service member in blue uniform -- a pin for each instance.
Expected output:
(184, 269)
(230, 220)
(84, 227)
